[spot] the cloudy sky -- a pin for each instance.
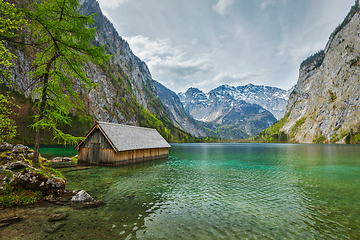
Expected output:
(207, 43)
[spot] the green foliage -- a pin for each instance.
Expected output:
(11, 21)
(273, 133)
(62, 39)
(354, 62)
(13, 195)
(353, 137)
(232, 130)
(357, 137)
(316, 58)
(334, 138)
(48, 171)
(7, 125)
(319, 139)
(19, 197)
(332, 95)
(298, 124)
(354, 9)
(164, 126)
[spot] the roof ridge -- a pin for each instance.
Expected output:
(118, 124)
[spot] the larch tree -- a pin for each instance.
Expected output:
(11, 21)
(62, 38)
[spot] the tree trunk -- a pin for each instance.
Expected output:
(37, 146)
(41, 116)
(42, 108)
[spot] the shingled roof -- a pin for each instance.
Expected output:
(125, 137)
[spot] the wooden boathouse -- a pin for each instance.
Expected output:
(116, 144)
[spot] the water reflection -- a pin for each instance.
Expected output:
(230, 191)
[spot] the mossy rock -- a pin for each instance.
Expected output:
(36, 180)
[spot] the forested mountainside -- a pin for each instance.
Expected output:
(125, 92)
(325, 104)
(216, 116)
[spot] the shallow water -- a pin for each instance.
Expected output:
(213, 191)
(51, 151)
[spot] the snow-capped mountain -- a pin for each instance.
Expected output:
(209, 106)
(221, 116)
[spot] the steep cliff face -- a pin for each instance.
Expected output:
(125, 91)
(123, 82)
(325, 104)
(124, 64)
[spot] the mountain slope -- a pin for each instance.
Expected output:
(125, 92)
(271, 98)
(325, 103)
(178, 115)
(223, 111)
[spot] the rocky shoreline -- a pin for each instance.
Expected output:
(17, 173)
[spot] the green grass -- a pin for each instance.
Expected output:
(11, 195)
(21, 197)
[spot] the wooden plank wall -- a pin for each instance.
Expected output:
(97, 137)
(108, 156)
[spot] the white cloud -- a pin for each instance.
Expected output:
(223, 7)
(227, 77)
(112, 3)
(267, 3)
(165, 60)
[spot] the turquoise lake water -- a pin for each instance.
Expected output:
(215, 191)
(51, 151)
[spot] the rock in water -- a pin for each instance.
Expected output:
(82, 196)
(54, 228)
(56, 159)
(7, 221)
(57, 217)
(5, 146)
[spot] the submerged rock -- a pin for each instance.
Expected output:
(7, 221)
(61, 159)
(92, 204)
(57, 217)
(82, 196)
(56, 159)
(55, 227)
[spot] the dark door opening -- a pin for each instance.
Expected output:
(95, 153)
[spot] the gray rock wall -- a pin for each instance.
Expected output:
(326, 100)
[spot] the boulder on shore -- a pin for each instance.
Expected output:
(33, 179)
(19, 148)
(17, 165)
(5, 146)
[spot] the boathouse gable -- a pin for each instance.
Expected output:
(116, 144)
